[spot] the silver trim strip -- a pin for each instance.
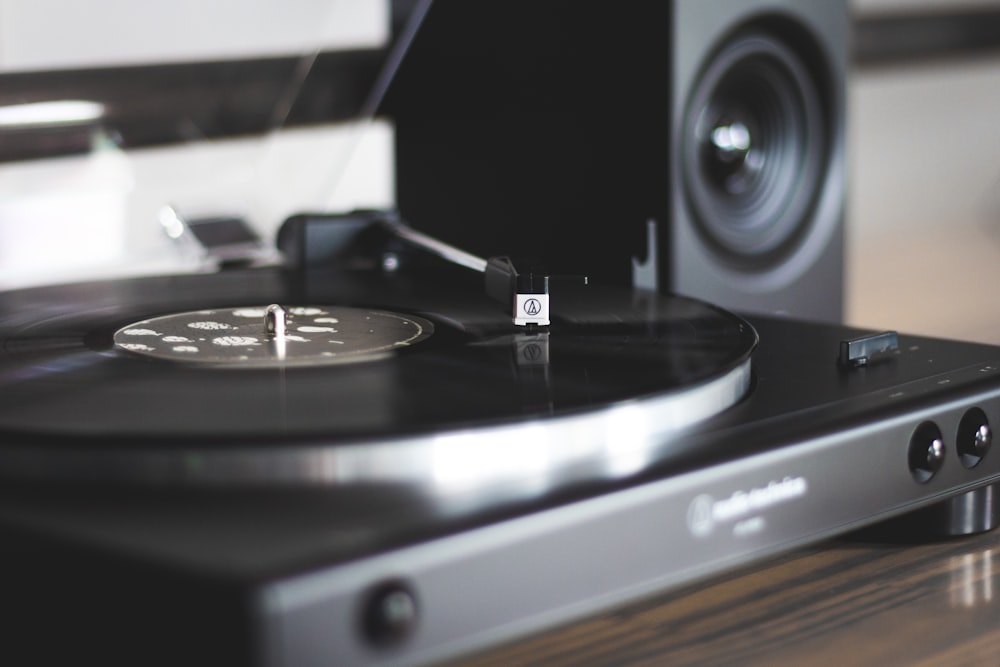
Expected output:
(522, 457)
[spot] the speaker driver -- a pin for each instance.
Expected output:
(754, 146)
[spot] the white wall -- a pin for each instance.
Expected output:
(62, 34)
(924, 206)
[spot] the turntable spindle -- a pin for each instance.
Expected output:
(275, 320)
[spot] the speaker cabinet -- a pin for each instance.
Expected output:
(568, 130)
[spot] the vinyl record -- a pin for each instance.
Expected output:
(435, 369)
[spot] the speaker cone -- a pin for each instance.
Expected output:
(754, 146)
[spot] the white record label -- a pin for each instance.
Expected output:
(296, 335)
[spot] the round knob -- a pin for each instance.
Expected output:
(974, 437)
(982, 439)
(927, 451)
(390, 613)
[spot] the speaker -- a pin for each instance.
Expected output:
(686, 146)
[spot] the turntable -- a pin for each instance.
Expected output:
(389, 449)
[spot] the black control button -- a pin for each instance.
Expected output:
(390, 613)
(927, 450)
(974, 437)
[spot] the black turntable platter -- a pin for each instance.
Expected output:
(90, 393)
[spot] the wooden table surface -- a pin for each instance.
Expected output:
(849, 601)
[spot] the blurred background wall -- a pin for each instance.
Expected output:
(924, 196)
(924, 174)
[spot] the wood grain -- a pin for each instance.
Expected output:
(845, 602)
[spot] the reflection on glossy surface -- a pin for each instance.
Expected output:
(971, 579)
(467, 460)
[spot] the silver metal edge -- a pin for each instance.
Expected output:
(526, 456)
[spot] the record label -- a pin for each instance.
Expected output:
(255, 337)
